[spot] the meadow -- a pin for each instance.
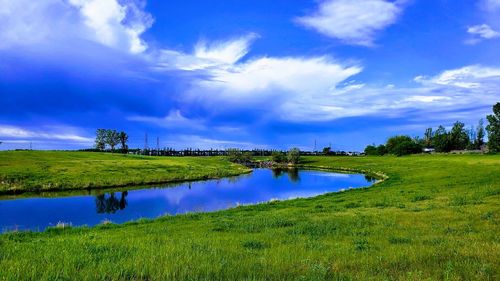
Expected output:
(36, 171)
(434, 217)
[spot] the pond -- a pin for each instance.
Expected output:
(122, 205)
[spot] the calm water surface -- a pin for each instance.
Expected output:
(91, 208)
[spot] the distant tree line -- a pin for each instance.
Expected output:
(292, 156)
(441, 140)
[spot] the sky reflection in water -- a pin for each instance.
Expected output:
(261, 185)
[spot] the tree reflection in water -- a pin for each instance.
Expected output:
(108, 203)
(293, 173)
(370, 179)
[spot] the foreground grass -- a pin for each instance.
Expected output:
(434, 218)
(22, 171)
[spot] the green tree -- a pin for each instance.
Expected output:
(458, 136)
(493, 129)
(293, 156)
(428, 137)
(112, 138)
(234, 155)
(381, 150)
(479, 134)
(402, 145)
(237, 156)
(376, 150)
(327, 150)
(100, 139)
(278, 157)
(123, 140)
(371, 150)
(441, 140)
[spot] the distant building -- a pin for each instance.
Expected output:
(428, 150)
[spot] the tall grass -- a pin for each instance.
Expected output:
(433, 218)
(34, 171)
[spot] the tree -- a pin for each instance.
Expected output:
(458, 136)
(123, 140)
(234, 155)
(100, 139)
(112, 138)
(493, 129)
(428, 137)
(381, 150)
(402, 145)
(441, 140)
(293, 156)
(278, 157)
(237, 156)
(479, 142)
(376, 150)
(327, 150)
(371, 150)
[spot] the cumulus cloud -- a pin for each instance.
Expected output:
(112, 23)
(320, 88)
(353, 22)
(481, 32)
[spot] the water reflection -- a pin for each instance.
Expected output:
(370, 179)
(108, 203)
(120, 206)
(293, 173)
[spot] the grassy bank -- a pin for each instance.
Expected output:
(434, 218)
(22, 171)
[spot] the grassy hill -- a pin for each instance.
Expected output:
(436, 217)
(22, 171)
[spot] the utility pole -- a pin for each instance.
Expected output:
(146, 141)
(157, 145)
(314, 145)
(31, 145)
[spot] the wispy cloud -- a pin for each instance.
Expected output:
(174, 119)
(207, 55)
(353, 22)
(16, 133)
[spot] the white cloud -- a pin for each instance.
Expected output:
(174, 119)
(491, 5)
(304, 89)
(296, 75)
(207, 55)
(470, 77)
(353, 22)
(115, 24)
(13, 132)
(109, 22)
(228, 52)
(480, 32)
(179, 141)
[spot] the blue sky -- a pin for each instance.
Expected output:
(248, 74)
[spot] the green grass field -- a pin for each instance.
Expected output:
(22, 171)
(436, 217)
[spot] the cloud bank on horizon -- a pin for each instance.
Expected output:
(260, 74)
